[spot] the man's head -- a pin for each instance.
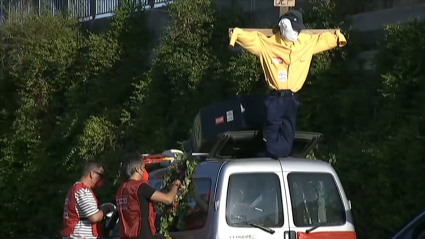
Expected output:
(134, 167)
(93, 174)
(290, 25)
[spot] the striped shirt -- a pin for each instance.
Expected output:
(86, 206)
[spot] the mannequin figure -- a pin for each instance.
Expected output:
(285, 58)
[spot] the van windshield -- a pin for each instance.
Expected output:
(254, 198)
(315, 200)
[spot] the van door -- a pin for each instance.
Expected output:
(318, 206)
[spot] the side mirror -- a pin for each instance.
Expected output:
(170, 153)
(111, 222)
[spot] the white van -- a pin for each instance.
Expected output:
(241, 196)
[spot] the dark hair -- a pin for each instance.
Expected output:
(132, 162)
(92, 166)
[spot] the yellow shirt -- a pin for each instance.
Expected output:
(286, 64)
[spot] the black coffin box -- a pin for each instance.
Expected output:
(234, 114)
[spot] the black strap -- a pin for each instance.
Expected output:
(282, 92)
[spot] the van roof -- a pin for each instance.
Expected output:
(289, 164)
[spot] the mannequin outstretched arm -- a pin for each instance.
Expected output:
(250, 41)
(328, 40)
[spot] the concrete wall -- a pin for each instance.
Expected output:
(264, 13)
(252, 5)
(370, 25)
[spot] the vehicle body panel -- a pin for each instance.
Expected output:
(221, 228)
(313, 167)
(415, 229)
(219, 172)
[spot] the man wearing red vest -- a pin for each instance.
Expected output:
(135, 199)
(82, 216)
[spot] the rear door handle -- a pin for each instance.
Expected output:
(290, 235)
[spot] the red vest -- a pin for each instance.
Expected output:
(70, 215)
(129, 211)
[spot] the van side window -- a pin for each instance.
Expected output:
(254, 198)
(198, 208)
(315, 199)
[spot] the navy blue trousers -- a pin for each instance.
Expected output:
(281, 111)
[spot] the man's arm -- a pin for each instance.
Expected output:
(326, 41)
(250, 41)
(148, 192)
(87, 206)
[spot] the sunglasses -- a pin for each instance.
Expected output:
(100, 174)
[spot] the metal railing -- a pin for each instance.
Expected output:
(81, 9)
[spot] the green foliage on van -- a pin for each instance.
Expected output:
(172, 213)
(68, 95)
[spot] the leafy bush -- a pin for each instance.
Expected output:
(63, 94)
(193, 68)
(67, 95)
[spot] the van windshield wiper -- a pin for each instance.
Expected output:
(266, 229)
(314, 227)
